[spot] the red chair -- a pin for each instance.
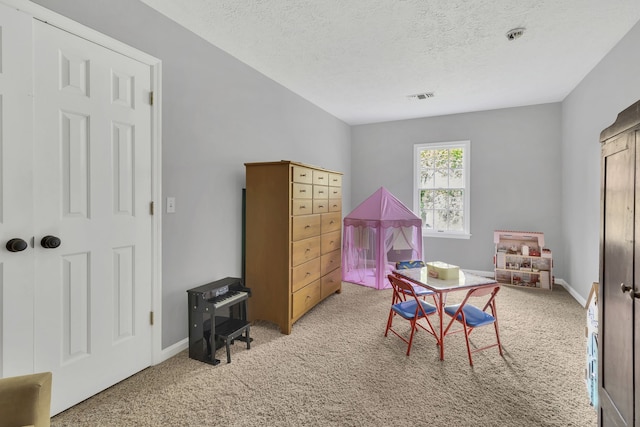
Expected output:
(471, 317)
(409, 306)
(420, 290)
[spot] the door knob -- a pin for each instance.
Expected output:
(16, 245)
(50, 242)
(632, 293)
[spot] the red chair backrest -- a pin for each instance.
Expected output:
(400, 285)
(403, 290)
(480, 292)
(485, 290)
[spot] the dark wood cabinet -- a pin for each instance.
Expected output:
(619, 290)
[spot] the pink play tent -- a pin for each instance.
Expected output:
(376, 234)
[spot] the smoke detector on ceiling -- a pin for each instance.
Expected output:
(421, 96)
(516, 33)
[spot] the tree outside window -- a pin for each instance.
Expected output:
(441, 196)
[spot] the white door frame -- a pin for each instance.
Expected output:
(73, 27)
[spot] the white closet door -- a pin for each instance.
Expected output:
(16, 193)
(92, 174)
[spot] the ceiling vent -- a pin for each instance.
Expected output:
(516, 33)
(421, 96)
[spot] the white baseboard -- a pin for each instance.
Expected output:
(574, 294)
(490, 274)
(174, 349)
(182, 345)
(557, 281)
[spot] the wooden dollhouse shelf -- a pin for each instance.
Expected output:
(520, 259)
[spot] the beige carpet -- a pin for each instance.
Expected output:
(337, 369)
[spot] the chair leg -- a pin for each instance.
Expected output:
(389, 322)
(494, 311)
(248, 339)
(495, 325)
(466, 337)
(413, 330)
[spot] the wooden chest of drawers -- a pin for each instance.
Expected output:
(293, 239)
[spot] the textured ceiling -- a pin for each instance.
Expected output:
(360, 59)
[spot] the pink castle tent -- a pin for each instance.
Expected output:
(376, 234)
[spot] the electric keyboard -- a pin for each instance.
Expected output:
(229, 298)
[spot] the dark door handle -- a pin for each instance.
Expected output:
(50, 242)
(632, 293)
(16, 245)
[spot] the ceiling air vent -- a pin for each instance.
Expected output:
(515, 33)
(421, 96)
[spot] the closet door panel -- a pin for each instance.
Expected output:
(92, 158)
(617, 245)
(16, 194)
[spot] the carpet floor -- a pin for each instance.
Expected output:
(337, 369)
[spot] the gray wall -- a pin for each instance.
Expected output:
(217, 114)
(533, 168)
(593, 105)
(515, 174)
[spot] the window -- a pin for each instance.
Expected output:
(441, 188)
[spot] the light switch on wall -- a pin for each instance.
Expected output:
(171, 204)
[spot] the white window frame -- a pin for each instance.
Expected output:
(466, 146)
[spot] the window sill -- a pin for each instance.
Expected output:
(445, 235)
